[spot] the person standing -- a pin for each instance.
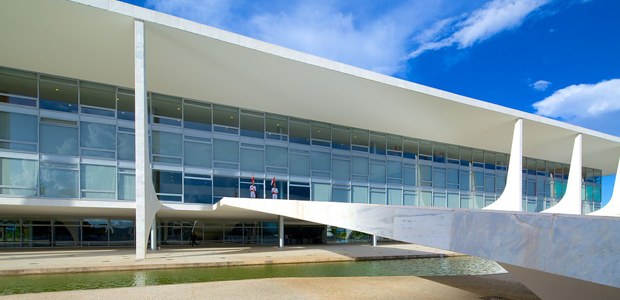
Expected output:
(252, 189)
(274, 189)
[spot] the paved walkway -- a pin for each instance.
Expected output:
(48, 261)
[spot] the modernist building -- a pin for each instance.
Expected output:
(101, 98)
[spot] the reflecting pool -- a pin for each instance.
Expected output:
(460, 265)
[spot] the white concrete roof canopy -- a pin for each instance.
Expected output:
(93, 41)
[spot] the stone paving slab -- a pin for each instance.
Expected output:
(49, 261)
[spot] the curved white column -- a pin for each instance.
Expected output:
(511, 198)
(147, 204)
(612, 209)
(571, 202)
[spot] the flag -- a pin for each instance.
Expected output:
(273, 182)
(252, 179)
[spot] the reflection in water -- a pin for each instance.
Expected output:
(139, 278)
(462, 265)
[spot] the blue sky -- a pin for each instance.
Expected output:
(555, 58)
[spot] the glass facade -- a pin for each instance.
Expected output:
(67, 138)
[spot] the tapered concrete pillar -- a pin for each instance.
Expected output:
(612, 209)
(511, 196)
(374, 240)
(280, 231)
(571, 202)
(147, 204)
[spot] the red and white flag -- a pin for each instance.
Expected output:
(273, 182)
(252, 179)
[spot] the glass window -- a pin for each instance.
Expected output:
(409, 198)
(465, 157)
(426, 198)
(197, 115)
(18, 83)
(321, 161)
(453, 178)
(299, 164)
(377, 196)
(299, 191)
(59, 180)
(377, 172)
(360, 165)
(252, 160)
(453, 154)
(409, 175)
(18, 131)
(166, 110)
(98, 182)
(426, 150)
(395, 197)
(321, 191)
(464, 183)
(426, 175)
(197, 190)
(125, 104)
(18, 177)
(439, 153)
(478, 158)
(439, 177)
(225, 187)
(394, 169)
(98, 136)
(277, 156)
(252, 124)
(489, 160)
(479, 180)
(341, 194)
(395, 145)
(57, 139)
(226, 151)
(341, 169)
(489, 183)
(126, 184)
(299, 131)
(277, 127)
(197, 154)
(321, 132)
(340, 138)
(168, 185)
(410, 149)
(226, 116)
(126, 146)
(439, 200)
(97, 99)
(360, 194)
(58, 94)
(377, 143)
(167, 143)
(360, 140)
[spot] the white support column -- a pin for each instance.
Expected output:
(154, 235)
(280, 231)
(511, 198)
(612, 209)
(374, 240)
(147, 204)
(571, 202)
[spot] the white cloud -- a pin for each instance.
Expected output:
(327, 32)
(483, 23)
(540, 85)
(582, 101)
